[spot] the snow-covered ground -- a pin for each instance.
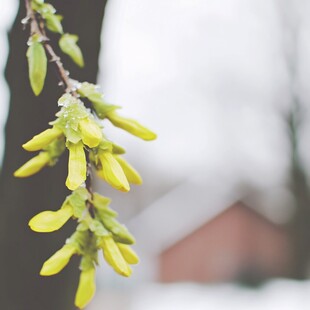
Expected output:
(275, 295)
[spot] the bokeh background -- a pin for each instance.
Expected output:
(222, 220)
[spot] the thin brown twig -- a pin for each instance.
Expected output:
(37, 27)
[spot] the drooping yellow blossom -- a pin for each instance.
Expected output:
(112, 172)
(77, 166)
(43, 139)
(86, 289)
(131, 173)
(128, 253)
(48, 221)
(114, 257)
(90, 132)
(33, 166)
(58, 261)
(130, 125)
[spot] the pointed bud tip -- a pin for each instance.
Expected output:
(150, 137)
(37, 91)
(72, 185)
(125, 188)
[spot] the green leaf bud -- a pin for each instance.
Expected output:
(53, 22)
(67, 44)
(78, 200)
(37, 63)
(119, 231)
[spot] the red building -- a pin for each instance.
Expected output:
(238, 244)
(204, 232)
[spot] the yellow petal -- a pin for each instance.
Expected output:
(43, 139)
(90, 132)
(77, 166)
(131, 173)
(48, 221)
(128, 253)
(86, 289)
(112, 172)
(114, 257)
(33, 166)
(58, 261)
(131, 126)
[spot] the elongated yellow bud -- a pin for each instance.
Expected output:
(76, 166)
(114, 257)
(43, 139)
(86, 289)
(128, 253)
(48, 221)
(132, 126)
(90, 132)
(58, 261)
(131, 173)
(33, 166)
(112, 172)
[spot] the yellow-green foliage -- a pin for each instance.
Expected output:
(80, 131)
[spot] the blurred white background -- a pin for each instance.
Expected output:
(7, 13)
(216, 80)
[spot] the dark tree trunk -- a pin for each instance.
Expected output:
(23, 251)
(300, 190)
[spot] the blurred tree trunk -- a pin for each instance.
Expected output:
(23, 251)
(301, 220)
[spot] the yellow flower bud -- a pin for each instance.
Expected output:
(58, 261)
(112, 172)
(43, 139)
(33, 166)
(90, 132)
(131, 126)
(128, 253)
(86, 289)
(114, 257)
(77, 166)
(48, 221)
(131, 173)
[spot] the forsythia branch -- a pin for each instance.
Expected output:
(79, 131)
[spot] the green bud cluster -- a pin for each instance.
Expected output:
(97, 231)
(80, 130)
